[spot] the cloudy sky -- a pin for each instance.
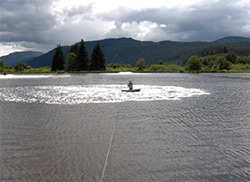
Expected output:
(42, 24)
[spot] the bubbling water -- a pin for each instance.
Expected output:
(78, 94)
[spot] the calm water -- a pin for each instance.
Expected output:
(180, 127)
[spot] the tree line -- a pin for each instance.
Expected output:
(225, 60)
(78, 60)
(221, 60)
(18, 67)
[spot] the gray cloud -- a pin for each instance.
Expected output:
(26, 21)
(79, 10)
(196, 22)
(36, 23)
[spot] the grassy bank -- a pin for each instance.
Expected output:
(155, 68)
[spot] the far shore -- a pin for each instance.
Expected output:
(34, 71)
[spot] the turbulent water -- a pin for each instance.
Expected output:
(94, 94)
(180, 127)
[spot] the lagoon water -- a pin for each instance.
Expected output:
(179, 128)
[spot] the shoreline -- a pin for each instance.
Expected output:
(93, 72)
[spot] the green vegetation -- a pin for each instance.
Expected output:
(2, 66)
(128, 51)
(157, 68)
(224, 62)
(172, 68)
(77, 61)
(193, 64)
(114, 67)
(36, 70)
(21, 66)
(140, 64)
(71, 62)
(29, 70)
(122, 69)
(240, 68)
(161, 62)
(225, 65)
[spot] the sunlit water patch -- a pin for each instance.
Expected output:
(71, 95)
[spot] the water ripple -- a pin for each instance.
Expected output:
(72, 95)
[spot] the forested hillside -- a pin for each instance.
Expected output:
(13, 58)
(128, 51)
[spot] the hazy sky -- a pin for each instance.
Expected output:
(42, 24)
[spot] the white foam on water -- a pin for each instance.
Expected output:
(78, 94)
(126, 73)
(121, 73)
(16, 76)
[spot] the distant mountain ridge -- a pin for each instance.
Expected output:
(13, 58)
(128, 50)
(233, 39)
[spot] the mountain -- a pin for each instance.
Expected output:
(114, 49)
(128, 50)
(232, 39)
(45, 59)
(13, 58)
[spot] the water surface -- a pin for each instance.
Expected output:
(181, 127)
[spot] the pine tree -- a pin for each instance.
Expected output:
(82, 60)
(225, 49)
(97, 58)
(74, 48)
(58, 60)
